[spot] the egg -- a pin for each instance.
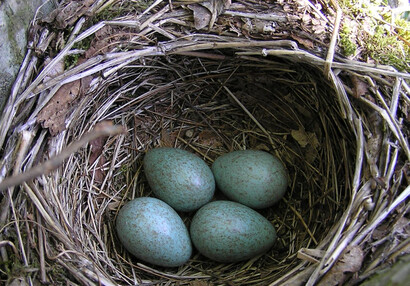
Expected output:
(154, 232)
(179, 178)
(254, 178)
(227, 231)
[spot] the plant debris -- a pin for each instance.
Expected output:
(264, 75)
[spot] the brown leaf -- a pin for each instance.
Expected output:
(53, 115)
(360, 88)
(402, 226)
(57, 69)
(209, 138)
(96, 147)
(101, 42)
(381, 231)
(202, 16)
(206, 13)
(168, 139)
(350, 262)
(96, 151)
(304, 42)
(304, 138)
(68, 13)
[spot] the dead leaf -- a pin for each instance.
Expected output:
(113, 206)
(68, 13)
(97, 146)
(304, 138)
(350, 262)
(168, 139)
(53, 115)
(209, 138)
(57, 69)
(311, 153)
(262, 147)
(300, 136)
(402, 226)
(303, 41)
(360, 88)
(373, 147)
(202, 16)
(101, 42)
(206, 13)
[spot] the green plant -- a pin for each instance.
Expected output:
(380, 39)
(347, 40)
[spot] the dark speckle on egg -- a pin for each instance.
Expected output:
(153, 232)
(227, 231)
(254, 178)
(179, 178)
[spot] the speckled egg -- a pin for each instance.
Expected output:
(254, 178)
(227, 231)
(179, 178)
(152, 231)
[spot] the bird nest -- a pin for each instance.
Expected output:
(103, 82)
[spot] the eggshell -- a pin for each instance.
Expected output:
(254, 178)
(179, 178)
(227, 231)
(152, 231)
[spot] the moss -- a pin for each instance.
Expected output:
(113, 12)
(386, 48)
(72, 60)
(397, 275)
(378, 41)
(347, 41)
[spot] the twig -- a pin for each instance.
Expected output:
(332, 45)
(298, 55)
(3, 243)
(343, 221)
(373, 224)
(301, 220)
(250, 115)
(267, 17)
(105, 129)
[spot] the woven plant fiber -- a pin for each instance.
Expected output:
(103, 82)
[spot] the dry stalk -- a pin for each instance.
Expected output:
(209, 93)
(55, 162)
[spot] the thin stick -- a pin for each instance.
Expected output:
(332, 45)
(105, 129)
(250, 115)
(266, 17)
(401, 198)
(343, 220)
(301, 220)
(43, 276)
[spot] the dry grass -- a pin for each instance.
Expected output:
(347, 153)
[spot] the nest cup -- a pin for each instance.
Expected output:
(208, 94)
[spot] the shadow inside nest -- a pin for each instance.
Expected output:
(210, 108)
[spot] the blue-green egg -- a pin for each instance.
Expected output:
(254, 178)
(153, 231)
(179, 178)
(227, 231)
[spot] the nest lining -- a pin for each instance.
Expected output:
(196, 114)
(211, 95)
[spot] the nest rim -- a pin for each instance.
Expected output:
(254, 53)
